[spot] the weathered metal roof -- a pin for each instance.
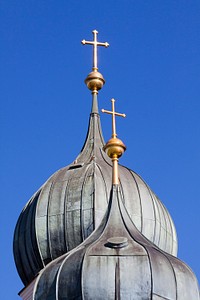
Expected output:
(71, 204)
(116, 262)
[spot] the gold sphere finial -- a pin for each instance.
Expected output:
(114, 148)
(94, 81)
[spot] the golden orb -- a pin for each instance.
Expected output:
(94, 81)
(114, 148)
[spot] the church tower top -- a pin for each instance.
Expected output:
(95, 80)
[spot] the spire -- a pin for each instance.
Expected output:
(94, 80)
(114, 147)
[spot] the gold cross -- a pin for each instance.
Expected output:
(113, 113)
(95, 43)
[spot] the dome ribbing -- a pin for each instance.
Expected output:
(71, 204)
(88, 234)
(116, 262)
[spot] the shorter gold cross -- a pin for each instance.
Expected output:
(95, 43)
(113, 113)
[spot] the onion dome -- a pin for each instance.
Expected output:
(116, 262)
(72, 202)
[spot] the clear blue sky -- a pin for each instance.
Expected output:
(152, 69)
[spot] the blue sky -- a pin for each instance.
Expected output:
(152, 69)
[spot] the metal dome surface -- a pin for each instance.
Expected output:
(71, 204)
(116, 262)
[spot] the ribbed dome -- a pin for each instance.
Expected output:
(71, 204)
(116, 262)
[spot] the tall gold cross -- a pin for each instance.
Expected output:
(95, 43)
(113, 113)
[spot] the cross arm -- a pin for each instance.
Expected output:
(115, 113)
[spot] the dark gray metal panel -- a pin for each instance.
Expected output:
(148, 217)
(69, 283)
(169, 231)
(87, 203)
(135, 277)
(73, 226)
(163, 233)
(35, 262)
(17, 249)
(56, 232)
(172, 235)
(158, 224)
(46, 286)
(42, 222)
(101, 195)
(131, 196)
(94, 138)
(27, 257)
(187, 285)
(99, 271)
(163, 277)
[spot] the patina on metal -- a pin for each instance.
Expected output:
(116, 262)
(71, 204)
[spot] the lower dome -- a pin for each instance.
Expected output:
(71, 204)
(116, 262)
